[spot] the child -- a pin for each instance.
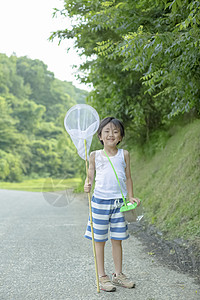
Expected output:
(107, 200)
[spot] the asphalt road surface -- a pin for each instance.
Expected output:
(44, 255)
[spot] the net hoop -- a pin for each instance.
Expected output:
(81, 122)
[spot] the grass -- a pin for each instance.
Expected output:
(169, 183)
(42, 184)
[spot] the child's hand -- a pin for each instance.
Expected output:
(133, 200)
(87, 187)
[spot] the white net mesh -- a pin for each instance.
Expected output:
(81, 122)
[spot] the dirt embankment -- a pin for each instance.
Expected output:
(177, 254)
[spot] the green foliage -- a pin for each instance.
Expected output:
(9, 136)
(33, 105)
(10, 167)
(142, 58)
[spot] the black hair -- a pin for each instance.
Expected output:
(116, 122)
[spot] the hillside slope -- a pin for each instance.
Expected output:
(33, 104)
(169, 184)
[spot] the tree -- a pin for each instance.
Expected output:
(142, 57)
(9, 136)
(10, 167)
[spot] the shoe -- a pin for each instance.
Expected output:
(106, 284)
(122, 280)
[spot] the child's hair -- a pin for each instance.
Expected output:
(115, 122)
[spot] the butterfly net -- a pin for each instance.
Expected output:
(81, 122)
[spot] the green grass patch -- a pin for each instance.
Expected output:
(168, 182)
(42, 184)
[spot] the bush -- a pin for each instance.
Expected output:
(10, 167)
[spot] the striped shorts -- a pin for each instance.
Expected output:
(106, 215)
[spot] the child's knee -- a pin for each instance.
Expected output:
(116, 242)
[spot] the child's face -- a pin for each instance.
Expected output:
(110, 135)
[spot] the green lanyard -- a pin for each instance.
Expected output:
(116, 176)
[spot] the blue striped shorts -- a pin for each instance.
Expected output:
(106, 215)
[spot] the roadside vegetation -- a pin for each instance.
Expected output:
(168, 181)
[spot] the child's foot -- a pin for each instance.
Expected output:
(106, 284)
(122, 280)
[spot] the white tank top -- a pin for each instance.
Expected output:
(106, 184)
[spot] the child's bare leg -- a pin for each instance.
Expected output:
(117, 255)
(99, 246)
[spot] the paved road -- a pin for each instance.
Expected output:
(43, 255)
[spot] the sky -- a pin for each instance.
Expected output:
(25, 26)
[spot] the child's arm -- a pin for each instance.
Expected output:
(91, 171)
(129, 182)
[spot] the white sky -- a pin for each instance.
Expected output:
(25, 26)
